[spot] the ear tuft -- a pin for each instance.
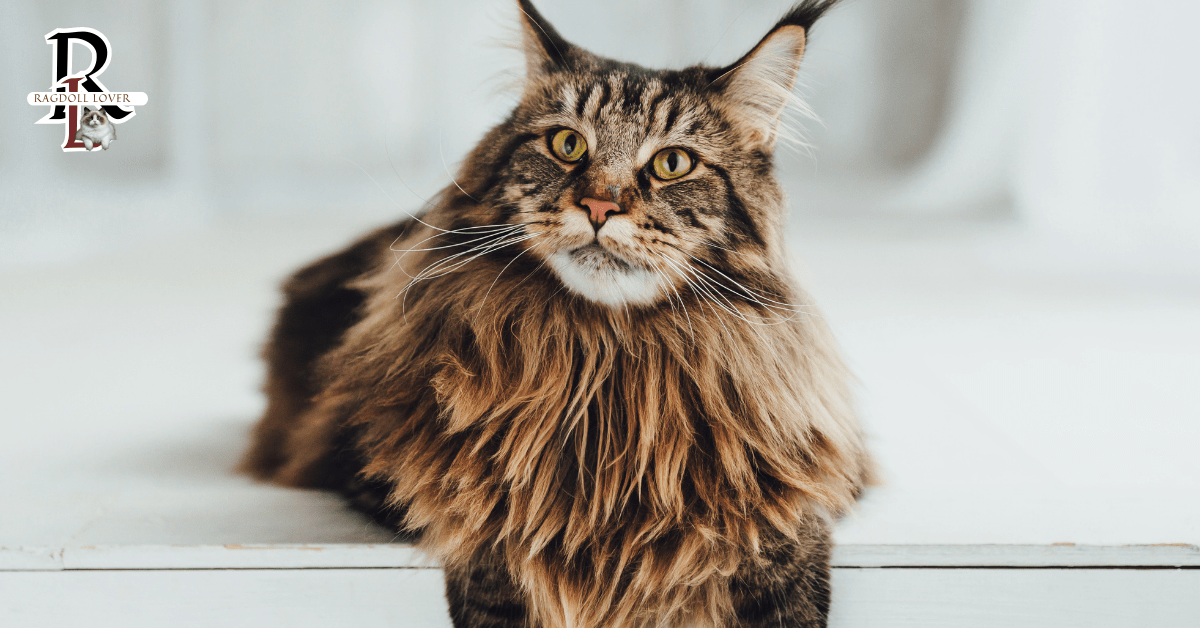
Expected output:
(806, 13)
(545, 50)
(758, 87)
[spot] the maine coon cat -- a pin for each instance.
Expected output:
(95, 129)
(584, 378)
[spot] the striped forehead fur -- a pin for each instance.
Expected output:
(758, 89)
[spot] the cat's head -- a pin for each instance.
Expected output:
(635, 185)
(93, 117)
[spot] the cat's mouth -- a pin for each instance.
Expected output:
(596, 258)
(600, 274)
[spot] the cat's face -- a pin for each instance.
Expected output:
(94, 118)
(630, 177)
(635, 184)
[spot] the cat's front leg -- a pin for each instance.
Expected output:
(87, 143)
(104, 142)
(787, 584)
(482, 594)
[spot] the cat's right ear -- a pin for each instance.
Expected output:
(546, 51)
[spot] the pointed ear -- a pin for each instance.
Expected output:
(758, 87)
(545, 50)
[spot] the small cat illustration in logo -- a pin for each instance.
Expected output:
(95, 128)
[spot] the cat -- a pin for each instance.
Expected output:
(95, 128)
(584, 379)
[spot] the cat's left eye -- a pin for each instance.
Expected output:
(672, 163)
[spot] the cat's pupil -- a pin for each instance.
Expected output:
(672, 162)
(569, 144)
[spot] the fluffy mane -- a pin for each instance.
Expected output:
(618, 463)
(576, 456)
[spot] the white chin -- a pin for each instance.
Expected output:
(594, 273)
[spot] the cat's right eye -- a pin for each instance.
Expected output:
(568, 145)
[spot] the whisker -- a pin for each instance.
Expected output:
(394, 202)
(387, 150)
(428, 271)
(440, 267)
(436, 269)
(671, 285)
(540, 265)
(493, 230)
(711, 289)
(493, 285)
(437, 248)
(447, 169)
(715, 286)
(701, 291)
(749, 292)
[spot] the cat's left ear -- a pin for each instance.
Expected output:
(758, 87)
(546, 51)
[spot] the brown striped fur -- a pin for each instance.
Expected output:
(573, 462)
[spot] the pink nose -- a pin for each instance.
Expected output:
(600, 209)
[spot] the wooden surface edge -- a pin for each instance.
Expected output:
(1030, 556)
(405, 556)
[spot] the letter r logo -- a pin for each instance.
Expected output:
(66, 78)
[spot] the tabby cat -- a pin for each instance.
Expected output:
(584, 379)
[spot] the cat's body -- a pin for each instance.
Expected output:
(95, 129)
(602, 401)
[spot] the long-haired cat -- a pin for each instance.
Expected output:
(95, 129)
(585, 378)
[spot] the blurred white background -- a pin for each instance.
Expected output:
(1075, 121)
(1000, 213)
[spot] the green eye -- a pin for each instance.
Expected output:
(672, 163)
(568, 145)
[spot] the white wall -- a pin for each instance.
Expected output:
(1081, 117)
(376, 91)
(1076, 117)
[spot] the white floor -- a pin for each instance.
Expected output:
(1027, 412)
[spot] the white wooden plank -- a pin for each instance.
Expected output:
(1005, 598)
(1059, 555)
(340, 556)
(413, 598)
(1014, 515)
(399, 555)
(293, 598)
(30, 559)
